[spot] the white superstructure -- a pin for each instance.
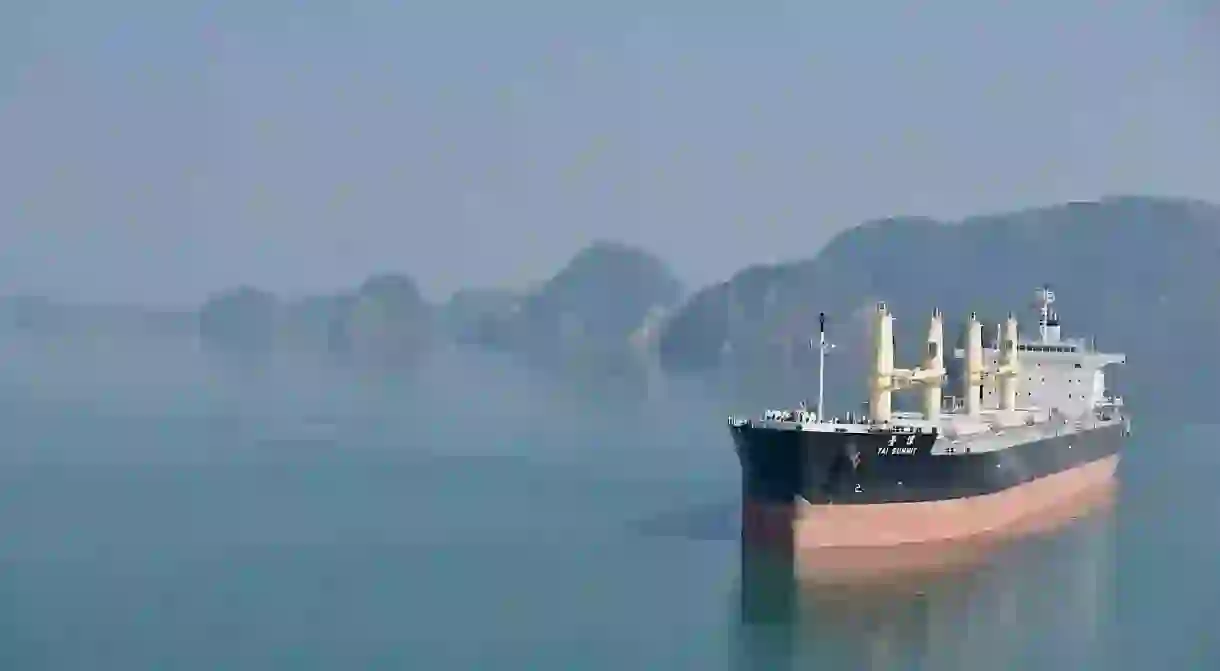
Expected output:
(1011, 382)
(1011, 391)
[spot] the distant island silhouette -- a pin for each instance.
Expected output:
(1143, 271)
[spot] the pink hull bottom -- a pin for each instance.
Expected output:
(838, 543)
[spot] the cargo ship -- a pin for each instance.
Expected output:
(1032, 429)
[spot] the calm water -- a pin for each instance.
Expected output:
(171, 515)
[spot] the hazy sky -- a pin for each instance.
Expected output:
(159, 150)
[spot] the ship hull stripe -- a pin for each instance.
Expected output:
(783, 466)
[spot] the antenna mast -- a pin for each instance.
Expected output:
(822, 347)
(1045, 298)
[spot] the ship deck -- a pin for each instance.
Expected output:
(992, 429)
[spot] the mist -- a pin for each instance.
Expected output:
(231, 498)
(160, 153)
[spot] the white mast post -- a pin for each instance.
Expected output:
(822, 347)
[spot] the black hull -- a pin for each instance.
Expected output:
(779, 465)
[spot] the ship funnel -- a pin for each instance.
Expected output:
(973, 378)
(934, 364)
(881, 382)
(1009, 365)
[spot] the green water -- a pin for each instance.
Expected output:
(158, 512)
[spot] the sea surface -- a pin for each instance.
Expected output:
(162, 510)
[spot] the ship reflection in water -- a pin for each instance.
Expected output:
(1042, 601)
